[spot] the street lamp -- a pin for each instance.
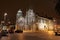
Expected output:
(5, 14)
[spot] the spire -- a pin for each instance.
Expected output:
(19, 14)
(19, 10)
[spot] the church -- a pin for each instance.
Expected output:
(32, 22)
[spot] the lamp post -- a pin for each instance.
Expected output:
(5, 14)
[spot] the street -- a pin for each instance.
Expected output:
(42, 35)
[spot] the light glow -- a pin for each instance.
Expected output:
(41, 26)
(5, 14)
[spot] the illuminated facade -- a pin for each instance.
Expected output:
(30, 22)
(29, 19)
(25, 23)
(19, 19)
(45, 24)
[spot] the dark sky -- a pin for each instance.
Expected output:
(40, 7)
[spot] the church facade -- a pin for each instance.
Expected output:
(31, 22)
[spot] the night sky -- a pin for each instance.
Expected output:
(40, 7)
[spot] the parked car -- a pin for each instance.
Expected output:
(19, 31)
(11, 29)
(4, 32)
